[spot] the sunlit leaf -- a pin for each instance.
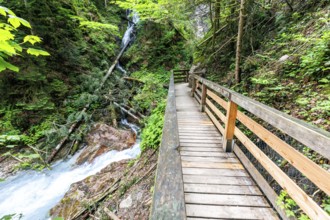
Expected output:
(14, 21)
(24, 22)
(3, 12)
(17, 21)
(5, 65)
(7, 48)
(32, 39)
(36, 52)
(6, 35)
(7, 10)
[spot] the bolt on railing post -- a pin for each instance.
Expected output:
(203, 98)
(193, 89)
(228, 139)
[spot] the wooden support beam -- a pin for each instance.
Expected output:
(203, 98)
(193, 89)
(228, 140)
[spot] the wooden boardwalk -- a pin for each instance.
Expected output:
(216, 185)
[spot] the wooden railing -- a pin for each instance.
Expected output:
(225, 108)
(168, 199)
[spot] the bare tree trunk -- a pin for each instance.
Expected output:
(216, 23)
(211, 13)
(239, 41)
(29, 15)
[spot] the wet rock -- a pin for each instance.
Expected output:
(7, 167)
(126, 203)
(104, 138)
(87, 191)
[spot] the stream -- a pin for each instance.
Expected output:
(31, 194)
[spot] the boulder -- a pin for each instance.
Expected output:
(103, 138)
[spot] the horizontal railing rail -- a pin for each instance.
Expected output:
(227, 108)
(168, 199)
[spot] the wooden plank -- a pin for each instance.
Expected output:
(168, 198)
(210, 159)
(215, 121)
(202, 128)
(211, 165)
(230, 127)
(262, 183)
(205, 154)
(203, 98)
(185, 137)
(194, 132)
(184, 144)
(226, 200)
(200, 136)
(224, 180)
(199, 93)
(184, 123)
(295, 192)
(222, 189)
(311, 170)
(200, 141)
(214, 172)
(217, 99)
(229, 212)
(221, 116)
(197, 98)
(203, 149)
(193, 89)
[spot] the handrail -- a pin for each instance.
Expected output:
(207, 93)
(168, 198)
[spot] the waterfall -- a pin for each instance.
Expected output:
(129, 34)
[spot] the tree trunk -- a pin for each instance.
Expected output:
(239, 42)
(216, 23)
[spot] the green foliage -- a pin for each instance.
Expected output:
(151, 99)
(9, 46)
(160, 45)
(326, 204)
(152, 91)
(316, 60)
(152, 133)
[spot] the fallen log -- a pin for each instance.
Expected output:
(127, 112)
(110, 214)
(133, 79)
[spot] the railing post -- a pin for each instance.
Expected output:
(203, 98)
(228, 139)
(193, 89)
